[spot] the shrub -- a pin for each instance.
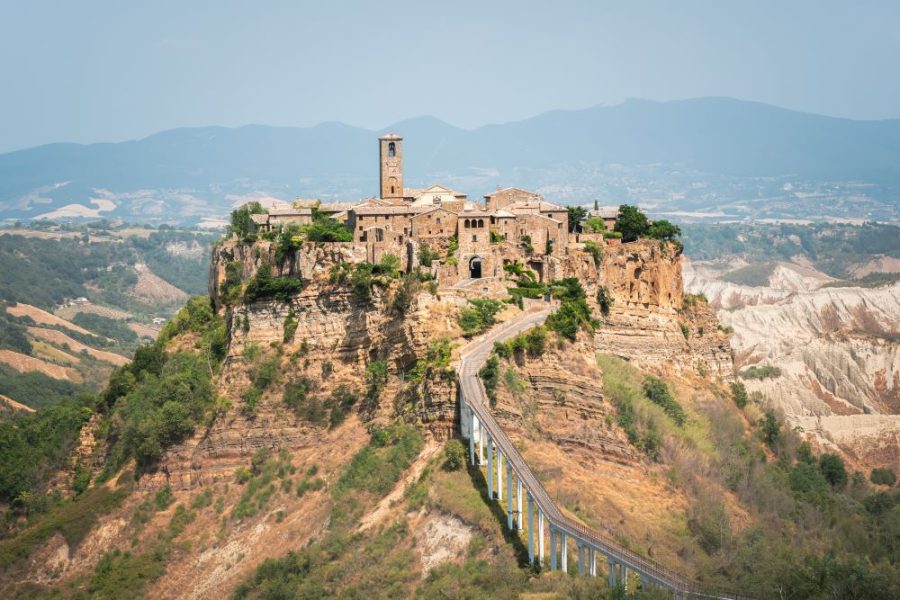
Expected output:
(573, 312)
(832, 468)
(594, 249)
(480, 317)
(663, 230)
(455, 455)
(739, 394)
(266, 287)
(883, 476)
(604, 299)
(490, 376)
(290, 327)
(594, 225)
(326, 229)
(657, 392)
(361, 281)
(770, 429)
(428, 256)
(685, 330)
(760, 372)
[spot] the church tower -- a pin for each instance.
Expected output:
(391, 165)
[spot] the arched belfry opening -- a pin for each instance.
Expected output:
(475, 267)
(392, 149)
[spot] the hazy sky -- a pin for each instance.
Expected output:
(90, 71)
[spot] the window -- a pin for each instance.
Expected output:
(466, 224)
(480, 222)
(379, 235)
(392, 151)
(474, 238)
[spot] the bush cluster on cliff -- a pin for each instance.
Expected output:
(573, 313)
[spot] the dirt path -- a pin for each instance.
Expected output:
(386, 505)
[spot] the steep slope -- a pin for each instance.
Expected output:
(836, 348)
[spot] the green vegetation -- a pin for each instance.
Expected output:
(739, 394)
(13, 334)
(33, 446)
(35, 389)
(326, 229)
(490, 377)
(532, 342)
(883, 476)
(595, 250)
(73, 520)
(479, 317)
(573, 313)
(264, 286)
(604, 299)
(115, 329)
(594, 225)
(760, 372)
(658, 393)
(455, 455)
(755, 275)
(242, 223)
(832, 248)
(632, 223)
(576, 216)
(159, 398)
(428, 256)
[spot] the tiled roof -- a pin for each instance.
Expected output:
(390, 210)
(260, 219)
(290, 212)
(605, 212)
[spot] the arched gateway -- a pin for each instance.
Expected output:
(475, 267)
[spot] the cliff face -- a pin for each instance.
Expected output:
(336, 337)
(649, 322)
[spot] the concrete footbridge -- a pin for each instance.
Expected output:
(527, 500)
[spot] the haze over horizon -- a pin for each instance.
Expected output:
(103, 72)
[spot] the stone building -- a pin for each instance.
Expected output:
(471, 239)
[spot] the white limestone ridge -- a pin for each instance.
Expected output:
(838, 350)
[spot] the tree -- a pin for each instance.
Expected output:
(576, 216)
(883, 476)
(664, 230)
(631, 223)
(739, 393)
(833, 470)
(771, 429)
(455, 454)
(241, 222)
(594, 225)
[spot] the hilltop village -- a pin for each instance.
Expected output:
(476, 239)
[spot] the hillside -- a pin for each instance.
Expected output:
(294, 435)
(706, 156)
(81, 299)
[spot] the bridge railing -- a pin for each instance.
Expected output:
(475, 397)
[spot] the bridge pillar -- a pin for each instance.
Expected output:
(490, 468)
(581, 558)
(540, 533)
(481, 434)
(519, 502)
(593, 562)
(625, 577)
(530, 504)
(499, 461)
(509, 495)
(564, 552)
(552, 549)
(472, 436)
(612, 573)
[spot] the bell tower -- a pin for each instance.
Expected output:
(390, 148)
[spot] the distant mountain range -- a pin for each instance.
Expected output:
(700, 154)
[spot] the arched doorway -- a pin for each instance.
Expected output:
(475, 267)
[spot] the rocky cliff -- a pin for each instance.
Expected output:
(650, 322)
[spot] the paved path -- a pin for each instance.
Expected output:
(475, 399)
